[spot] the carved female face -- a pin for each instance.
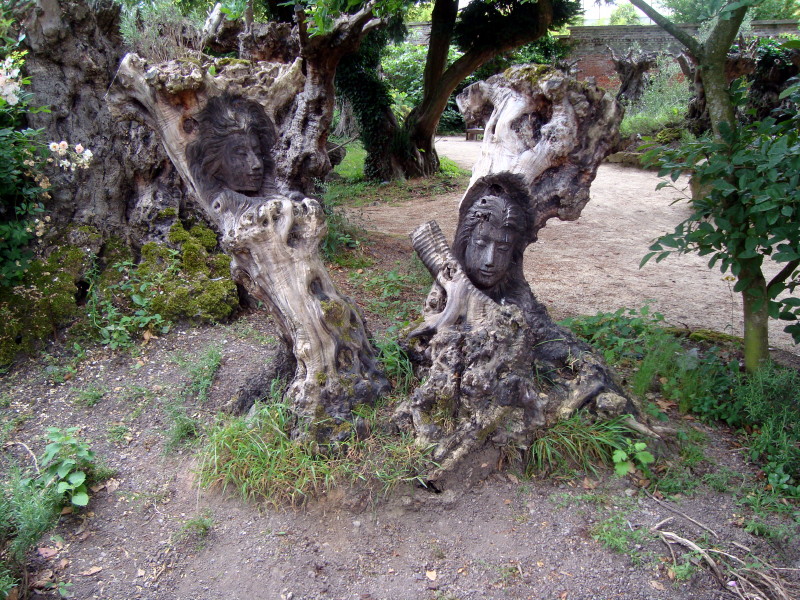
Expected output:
(241, 167)
(490, 248)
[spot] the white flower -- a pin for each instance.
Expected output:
(78, 148)
(87, 155)
(53, 147)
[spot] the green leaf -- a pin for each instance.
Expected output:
(76, 478)
(80, 499)
(623, 468)
(645, 458)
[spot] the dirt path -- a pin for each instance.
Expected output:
(592, 264)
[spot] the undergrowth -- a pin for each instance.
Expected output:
(706, 381)
(260, 459)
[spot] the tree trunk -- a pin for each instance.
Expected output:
(497, 367)
(73, 55)
(632, 70)
(273, 239)
(756, 321)
(413, 142)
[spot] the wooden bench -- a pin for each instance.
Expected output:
(474, 132)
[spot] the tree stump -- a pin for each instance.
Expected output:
(498, 368)
(221, 142)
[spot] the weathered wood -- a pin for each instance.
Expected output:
(497, 368)
(220, 139)
(632, 69)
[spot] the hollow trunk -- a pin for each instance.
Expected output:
(496, 367)
(272, 238)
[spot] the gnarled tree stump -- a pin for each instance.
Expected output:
(215, 130)
(498, 369)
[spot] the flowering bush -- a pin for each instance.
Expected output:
(24, 184)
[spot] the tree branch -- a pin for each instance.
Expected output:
(679, 34)
(784, 273)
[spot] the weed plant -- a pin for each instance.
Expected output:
(259, 458)
(708, 383)
(577, 444)
(663, 103)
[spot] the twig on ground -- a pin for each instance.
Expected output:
(684, 515)
(692, 546)
(33, 456)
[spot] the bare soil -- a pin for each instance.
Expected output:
(487, 534)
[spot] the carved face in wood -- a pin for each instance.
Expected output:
(232, 149)
(490, 235)
(241, 167)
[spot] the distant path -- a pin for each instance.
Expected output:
(592, 264)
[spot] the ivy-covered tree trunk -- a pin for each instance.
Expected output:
(483, 31)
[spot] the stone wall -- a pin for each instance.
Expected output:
(590, 44)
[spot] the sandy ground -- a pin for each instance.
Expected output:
(592, 264)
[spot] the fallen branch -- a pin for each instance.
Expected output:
(682, 514)
(668, 535)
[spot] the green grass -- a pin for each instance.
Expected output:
(259, 459)
(617, 534)
(201, 370)
(90, 395)
(184, 429)
(577, 444)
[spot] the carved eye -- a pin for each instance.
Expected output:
(503, 247)
(480, 243)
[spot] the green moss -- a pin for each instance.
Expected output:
(668, 135)
(205, 236)
(220, 265)
(168, 213)
(193, 258)
(44, 302)
(532, 73)
(227, 61)
(115, 250)
(177, 234)
(321, 378)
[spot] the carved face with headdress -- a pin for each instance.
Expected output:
(489, 242)
(232, 150)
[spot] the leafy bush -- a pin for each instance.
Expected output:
(746, 208)
(663, 103)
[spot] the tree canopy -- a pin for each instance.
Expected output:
(698, 11)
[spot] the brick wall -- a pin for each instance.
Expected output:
(590, 44)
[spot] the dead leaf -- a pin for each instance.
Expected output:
(666, 404)
(63, 564)
(42, 579)
(657, 585)
(539, 563)
(67, 376)
(84, 536)
(506, 501)
(112, 485)
(431, 575)
(671, 574)
(513, 478)
(564, 595)
(47, 552)
(140, 363)
(461, 570)
(67, 510)
(140, 572)
(91, 571)
(588, 484)
(97, 488)
(390, 571)
(13, 594)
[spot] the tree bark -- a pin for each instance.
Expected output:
(273, 239)
(496, 366)
(756, 320)
(632, 70)
(413, 148)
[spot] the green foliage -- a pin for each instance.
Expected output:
(393, 294)
(184, 430)
(616, 534)
(695, 11)
(202, 370)
(624, 14)
(260, 459)
(577, 443)
(770, 398)
(22, 157)
(90, 395)
(748, 210)
(159, 30)
(635, 455)
(396, 364)
(663, 103)
(67, 461)
(30, 502)
(124, 309)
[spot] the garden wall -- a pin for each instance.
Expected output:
(590, 44)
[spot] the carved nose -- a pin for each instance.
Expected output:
(254, 162)
(489, 256)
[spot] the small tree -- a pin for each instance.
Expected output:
(747, 210)
(624, 14)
